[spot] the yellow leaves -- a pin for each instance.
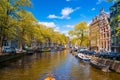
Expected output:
(22, 3)
(119, 18)
(71, 32)
(74, 40)
(81, 26)
(24, 25)
(81, 33)
(118, 31)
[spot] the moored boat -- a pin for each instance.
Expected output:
(83, 57)
(30, 51)
(99, 66)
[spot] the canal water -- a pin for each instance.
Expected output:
(62, 65)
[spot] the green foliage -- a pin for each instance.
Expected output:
(118, 22)
(9, 17)
(113, 0)
(118, 18)
(80, 33)
(16, 22)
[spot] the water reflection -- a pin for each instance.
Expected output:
(62, 65)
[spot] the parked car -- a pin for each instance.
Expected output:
(9, 50)
(20, 50)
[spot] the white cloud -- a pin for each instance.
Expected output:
(52, 16)
(92, 9)
(67, 11)
(70, 0)
(51, 24)
(57, 29)
(48, 24)
(65, 32)
(67, 0)
(100, 1)
(69, 26)
(89, 22)
(64, 13)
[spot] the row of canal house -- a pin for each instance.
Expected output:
(15, 44)
(103, 30)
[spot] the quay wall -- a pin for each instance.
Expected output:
(113, 64)
(8, 57)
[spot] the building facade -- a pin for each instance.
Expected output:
(94, 34)
(100, 32)
(114, 23)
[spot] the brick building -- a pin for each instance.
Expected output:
(100, 32)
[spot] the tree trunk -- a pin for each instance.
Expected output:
(1, 39)
(81, 38)
(1, 42)
(81, 42)
(19, 41)
(19, 44)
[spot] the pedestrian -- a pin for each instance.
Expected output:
(50, 77)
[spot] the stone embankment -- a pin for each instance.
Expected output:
(113, 64)
(8, 57)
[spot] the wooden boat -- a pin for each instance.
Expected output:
(99, 66)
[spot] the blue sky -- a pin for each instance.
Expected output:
(62, 15)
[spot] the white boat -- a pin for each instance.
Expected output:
(83, 57)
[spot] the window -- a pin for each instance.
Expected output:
(118, 24)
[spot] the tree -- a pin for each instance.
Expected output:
(17, 23)
(80, 32)
(116, 20)
(8, 10)
(118, 28)
(25, 27)
(75, 41)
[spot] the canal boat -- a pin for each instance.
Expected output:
(29, 51)
(49, 77)
(99, 66)
(83, 57)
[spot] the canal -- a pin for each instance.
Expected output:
(63, 66)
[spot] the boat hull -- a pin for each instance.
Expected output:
(83, 57)
(99, 66)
